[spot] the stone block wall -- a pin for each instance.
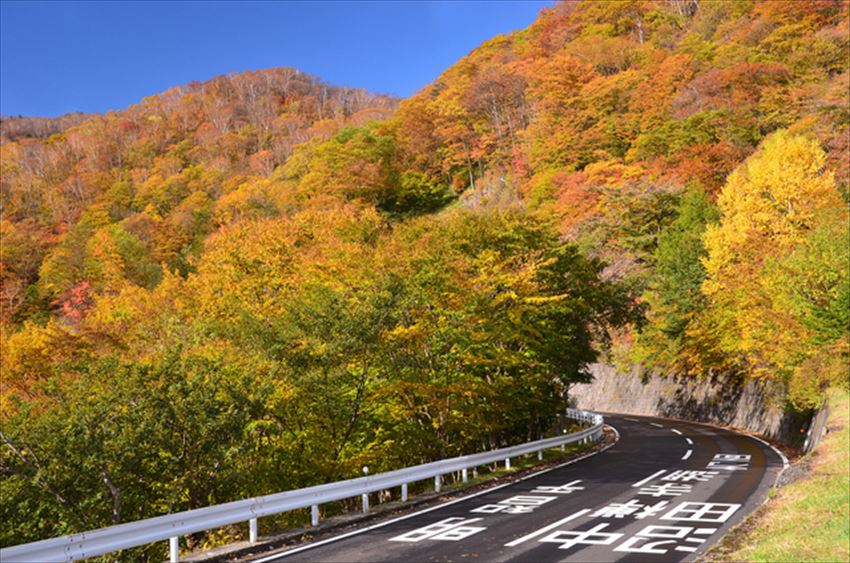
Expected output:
(755, 406)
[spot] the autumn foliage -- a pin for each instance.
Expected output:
(264, 282)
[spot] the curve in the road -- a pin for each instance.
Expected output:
(665, 491)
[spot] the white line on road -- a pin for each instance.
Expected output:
(545, 529)
(772, 447)
(630, 419)
(679, 432)
(650, 478)
(289, 552)
(687, 454)
(688, 440)
(657, 425)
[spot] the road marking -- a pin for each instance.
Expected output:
(709, 512)
(690, 475)
(676, 431)
(376, 526)
(657, 425)
(687, 454)
(450, 529)
(633, 507)
(650, 478)
(665, 490)
(293, 551)
(688, 440)
(730, 462)
(630, 419)
(545, 529)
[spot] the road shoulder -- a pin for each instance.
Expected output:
(806, 518)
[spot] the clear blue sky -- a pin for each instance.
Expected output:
(59, 57)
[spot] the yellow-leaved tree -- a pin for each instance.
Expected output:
(774, 206)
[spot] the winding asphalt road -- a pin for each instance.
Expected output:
(666, 491)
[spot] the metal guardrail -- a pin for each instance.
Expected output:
(172, 526)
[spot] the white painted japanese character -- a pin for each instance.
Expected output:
(652, 510)
(571, 538)
(527, 500)
(686, 476)
(699, 531)
(520, 504)
(618, 509)
(665, 490)
(491, 508)
(711, 512)
(664, 536)
(559, 490)
(450, 529)
(623, 509)
(730, 462)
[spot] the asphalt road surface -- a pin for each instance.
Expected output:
(666, 491)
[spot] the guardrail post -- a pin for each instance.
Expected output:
(365, 497)
(252, 530)
(174, 549)
(464, 475)
(314, 515)
(540, 455)
(437, 483)
(507, 463)
(404, 492)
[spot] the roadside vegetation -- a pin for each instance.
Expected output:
(808, 520)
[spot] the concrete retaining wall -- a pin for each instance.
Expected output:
(755, 406)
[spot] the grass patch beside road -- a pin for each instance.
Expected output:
(808, 520)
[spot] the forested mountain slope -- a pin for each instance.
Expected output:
(13, 128)
(152, 174)
(264, 282)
